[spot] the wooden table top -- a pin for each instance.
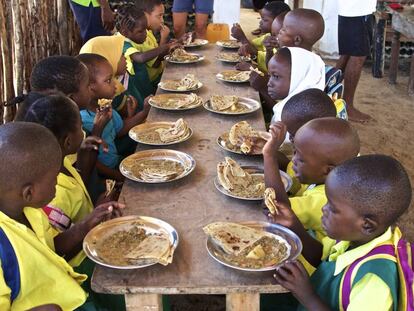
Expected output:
(403, 21)
(193, 202)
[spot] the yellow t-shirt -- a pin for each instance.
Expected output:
(258, 42)
(149, 44)
(261, 61)
(297, 188)
(45, 277)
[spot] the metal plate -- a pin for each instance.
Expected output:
(196, 43)
(221, 76)
(164, 87)
(199, 59)
(223, 142)
(233, 61)
(279, 232)
(107, 228)
(136, 130)
(229, 44)
(176, 97)
(251, 104)
(184, 159)
(253, 170)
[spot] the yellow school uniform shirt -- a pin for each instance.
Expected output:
(297, 188)
(45, 277)
(261, 52)
(371, 292)
(258, 42)
(149, 44)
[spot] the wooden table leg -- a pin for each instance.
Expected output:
(411, 80)
(143, 302)
(379, 48)
(243, 302)
(395, 54)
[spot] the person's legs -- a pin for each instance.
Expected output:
(341, 62)
(203, 8)
(180, 23)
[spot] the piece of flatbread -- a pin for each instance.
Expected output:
(155, 247)
(270, 198)
(230, 174)
(223, 102)
(239, 132)
(157, 174)
(174, 133)
(233, 238)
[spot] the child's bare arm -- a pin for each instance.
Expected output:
(271, 164)
(109, 172)
(158, 53)
(135, 119)
(238, 33)
(164, 33)
(69, 242)
(293, 276)
(46, 308)
(87, 155)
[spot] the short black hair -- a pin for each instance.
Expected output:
(376, 185)
(56, 112)
(91, 61)
(129, 16)
(148, 5)
(305, 106)
(276, 7)
(24, 102)
(62, 73)
(27, 152)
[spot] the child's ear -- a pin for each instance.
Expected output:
(297, 40)
(66, 142)
(369, 226)
(327, 169)
(27, 193)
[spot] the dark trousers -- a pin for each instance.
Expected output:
(89, 21)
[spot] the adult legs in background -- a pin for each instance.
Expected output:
(200, 28)
(180, 23)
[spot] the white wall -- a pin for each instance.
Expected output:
(226, 11)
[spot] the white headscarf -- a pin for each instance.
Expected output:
(307, 71)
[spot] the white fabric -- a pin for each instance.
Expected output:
(352, 8)
(307, 71)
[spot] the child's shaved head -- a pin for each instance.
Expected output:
(376, 186)
(306, 106)
(27, 151)
(301, 28)
(92, 62)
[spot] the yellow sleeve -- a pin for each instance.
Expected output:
(261, 61)
(258, 42)
(69, 201)
(308, 208)
(5, 292)
(370, 294)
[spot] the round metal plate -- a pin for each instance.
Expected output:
(107, 228)
(165, 97)
(196, 43)
(279, 232)
(251, 104)
(222, 76)
(184, 159)
(229, 44)
(162, 85)
(223, 142)
(199, 59)
(136, 130)
(223, 58)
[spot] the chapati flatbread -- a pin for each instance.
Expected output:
(155, 247)
(174, 133)
(270, 198)
(239, 132)
(223, 102)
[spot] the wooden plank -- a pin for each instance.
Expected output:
(411, 80)
(143, 302)
(193, 202)
(395, 54)
(243, 302)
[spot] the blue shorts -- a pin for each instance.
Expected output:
(197, 6)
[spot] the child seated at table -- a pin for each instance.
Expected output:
(271, 43)
(293, 70)
(141, 47)
(32, 274)
(56, 73)
(366, 195)
(115, 132)
(320, 145)
(111, 47)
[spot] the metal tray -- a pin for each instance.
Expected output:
(223, 44)
(253, 170)
(279, 232)
(177, 97)
(196, 43)
(251, 104)
(220, 76)
(224, 143)
(240, 59)
(162, 86)
(136, 130)
(184, 159)
(107, 228)
(199, 59)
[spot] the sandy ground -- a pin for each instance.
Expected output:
(390, 133)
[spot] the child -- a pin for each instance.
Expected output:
(271, 43)
(291, 71)
(111, 47)
(320, 145)
(366, 195)
(30, 268)
(57, 73)
(103, 87)
(301, 28)
(270, 11)
(139, 49)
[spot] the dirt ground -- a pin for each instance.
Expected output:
(391, 133)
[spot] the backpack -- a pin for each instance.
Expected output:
(402, 252)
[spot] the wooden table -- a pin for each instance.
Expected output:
(188, 205)
(402, 23)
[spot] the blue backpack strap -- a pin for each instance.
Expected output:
(10, 265)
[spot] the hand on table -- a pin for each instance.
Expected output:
(103, 212)
(243, 66)
(248, 50)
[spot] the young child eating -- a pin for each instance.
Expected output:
(366, 196)
(320, 145)
(103, 87)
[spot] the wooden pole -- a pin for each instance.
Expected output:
(62, 21)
